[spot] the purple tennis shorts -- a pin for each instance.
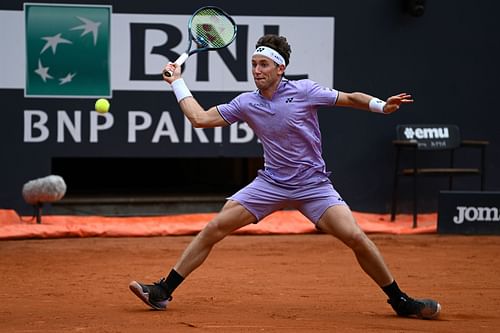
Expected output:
(262, 197)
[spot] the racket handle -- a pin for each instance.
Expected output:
(182, 59)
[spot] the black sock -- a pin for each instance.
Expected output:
(172, 281)
(392, 291)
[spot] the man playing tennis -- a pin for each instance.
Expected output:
(283, 114)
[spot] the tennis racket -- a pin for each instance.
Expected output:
(210, 28)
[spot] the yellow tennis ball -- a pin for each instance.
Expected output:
(102, 105)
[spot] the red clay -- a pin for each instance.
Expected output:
(280, 283)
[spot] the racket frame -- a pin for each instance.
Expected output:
(183, 57)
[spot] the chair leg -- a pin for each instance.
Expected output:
(482, 168)
(395, 184)
(394, 204)
(452, 163)
(415, 206)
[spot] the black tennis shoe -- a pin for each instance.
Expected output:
(421, 308)
(154, 295)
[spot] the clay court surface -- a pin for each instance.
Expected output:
(266, 283)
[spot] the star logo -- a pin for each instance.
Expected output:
(89, 26)
(43, 71)
(67, 78)
(53, 41)
(67, 50)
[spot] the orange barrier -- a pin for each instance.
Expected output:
(8, 216)
(282, 222)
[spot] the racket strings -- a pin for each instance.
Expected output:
(212, 29)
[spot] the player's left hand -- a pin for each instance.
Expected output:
(393, 102)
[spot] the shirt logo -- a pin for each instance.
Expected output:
(67, 50)
(289, 100)
(261, 106)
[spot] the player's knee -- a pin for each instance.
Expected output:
(358, 241)
(212, 233)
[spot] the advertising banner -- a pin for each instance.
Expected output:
(469, 212)
(63, 57)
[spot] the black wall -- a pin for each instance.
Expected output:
(448, 59)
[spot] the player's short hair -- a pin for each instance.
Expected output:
(277, 43)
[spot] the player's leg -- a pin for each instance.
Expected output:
(232, 217)
(249, 205)
(338, 221)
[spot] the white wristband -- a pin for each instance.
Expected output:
(180, 89)
(376, 105)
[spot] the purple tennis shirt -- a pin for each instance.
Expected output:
(288, 128)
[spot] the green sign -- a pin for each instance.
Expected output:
(67, 50)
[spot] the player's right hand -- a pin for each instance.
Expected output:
(172, 68)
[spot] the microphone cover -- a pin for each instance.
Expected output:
(47, 189)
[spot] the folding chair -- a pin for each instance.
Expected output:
(414, 139)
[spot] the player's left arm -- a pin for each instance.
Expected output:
(362, 101)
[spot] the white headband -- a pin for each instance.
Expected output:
(271, 54)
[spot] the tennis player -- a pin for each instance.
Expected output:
(283, 114)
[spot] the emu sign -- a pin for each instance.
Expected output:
(430, 137)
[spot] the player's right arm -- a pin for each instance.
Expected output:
(198, 116)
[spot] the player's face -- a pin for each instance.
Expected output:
(266, 73)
